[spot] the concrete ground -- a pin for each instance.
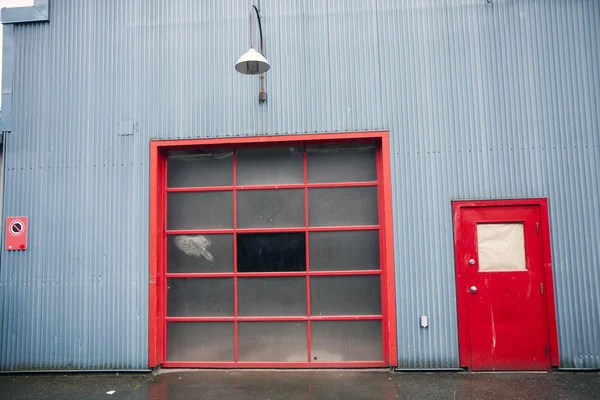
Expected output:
(291, 385)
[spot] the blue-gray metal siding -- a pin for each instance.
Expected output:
(483, 100)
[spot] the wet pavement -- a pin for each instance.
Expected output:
(291, 385)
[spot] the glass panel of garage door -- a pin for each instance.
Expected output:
(259, 272)
(200, 168)
(343, 206)
(348, 163)
(199, 210)
(200, 341)
(344, 250)
(268, 166)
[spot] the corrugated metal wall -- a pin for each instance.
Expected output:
(483, 100)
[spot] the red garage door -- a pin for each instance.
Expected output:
(273, 255)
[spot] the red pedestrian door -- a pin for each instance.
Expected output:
(500, 277)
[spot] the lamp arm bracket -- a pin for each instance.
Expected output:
(259, 27)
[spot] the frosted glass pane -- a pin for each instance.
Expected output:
(200, 168)
(200, 210)
(199, 297)
(345, 295)
(273, 165)
(272, 296)
(501, 247)
(331, 251)
(333, 341)
(352, 163)
(271, 252)
(272, 341)
(270, 208)
(342, 206)
(200, 341)
(199, 253)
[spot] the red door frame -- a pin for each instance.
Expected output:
(158, 149)
(546, 273)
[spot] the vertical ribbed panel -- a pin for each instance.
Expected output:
(482, 100)
(78, 297)
(491, 101)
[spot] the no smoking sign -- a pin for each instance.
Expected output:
(16, 233)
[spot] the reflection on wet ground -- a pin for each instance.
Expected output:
(382, 385)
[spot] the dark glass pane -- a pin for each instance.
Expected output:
(200, 341)
(273, 341)
(345, 295)
(270, 208)
(199, 253)
(272, 165)
(334, 341)
(272, 296)
(342, 206)
(200, 210)
(351, 163)
(331, 251)
(199, 297)
(271, 252)
(200, 168)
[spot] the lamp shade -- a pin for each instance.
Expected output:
(252, 63)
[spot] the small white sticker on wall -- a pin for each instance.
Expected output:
(501, 247)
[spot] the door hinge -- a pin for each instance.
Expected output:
(537, 227)
(542, 288)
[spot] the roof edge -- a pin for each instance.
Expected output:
(18, 15)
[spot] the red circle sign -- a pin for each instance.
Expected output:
(16, 228)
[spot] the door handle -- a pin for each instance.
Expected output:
(473, 289)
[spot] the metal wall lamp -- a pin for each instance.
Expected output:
(253, 62)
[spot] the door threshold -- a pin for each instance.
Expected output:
(509, 372)
(160, 371)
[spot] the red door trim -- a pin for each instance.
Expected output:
(388, 264)
(462, 300)
(155, 317)
(158, 148)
